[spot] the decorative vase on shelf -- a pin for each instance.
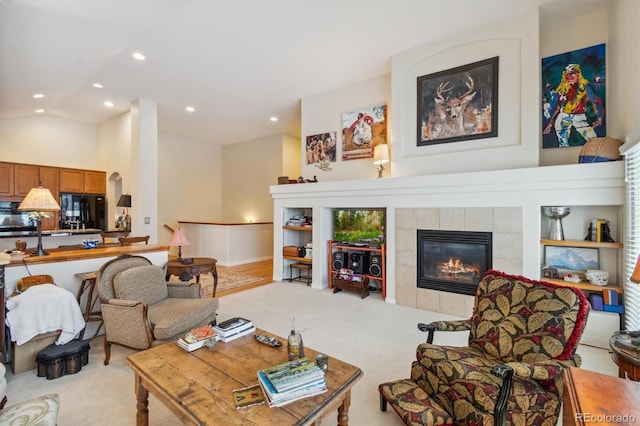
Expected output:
(556, 214)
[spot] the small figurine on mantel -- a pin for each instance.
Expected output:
(303, 180)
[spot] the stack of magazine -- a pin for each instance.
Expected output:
(291, 381)
(233, 328)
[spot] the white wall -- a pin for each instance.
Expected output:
(515, 42)
(323, 113)
(49, 141)
(248, 170)
(189, 182)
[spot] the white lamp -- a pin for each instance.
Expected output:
(380, 157)
(39, 201)
(179, 239)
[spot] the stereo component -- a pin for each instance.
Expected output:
(375, 265)
(339, 260)
(358, 263)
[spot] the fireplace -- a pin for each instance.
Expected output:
(453, 261)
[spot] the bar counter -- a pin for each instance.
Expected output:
(64, 264)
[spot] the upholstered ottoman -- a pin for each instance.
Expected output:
(412, 404)
(57, 360)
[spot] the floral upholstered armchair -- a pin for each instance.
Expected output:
(522, 335)
(141, 309)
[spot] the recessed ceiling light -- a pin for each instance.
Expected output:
(139, 56)
(274, 119)
(38, 95)
(190, 109)
(98, 85)
(39, 111)
(108, 104)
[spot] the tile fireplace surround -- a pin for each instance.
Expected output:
(505, 202)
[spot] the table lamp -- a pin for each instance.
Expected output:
(125, 201)
(380, 157)
(41, 203)
(179, 239)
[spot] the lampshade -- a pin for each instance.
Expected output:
(179, 238)
(381, 154)
(635, 277)
(124, 201)
(39, 200)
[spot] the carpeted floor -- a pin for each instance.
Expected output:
(378, 337)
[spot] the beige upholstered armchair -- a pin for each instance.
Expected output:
(522, 335)
(141, 309)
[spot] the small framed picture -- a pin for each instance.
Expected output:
(571, 260)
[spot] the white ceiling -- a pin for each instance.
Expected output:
(238, 62)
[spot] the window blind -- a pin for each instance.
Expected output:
(632, 244)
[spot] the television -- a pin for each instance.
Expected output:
(359, 226)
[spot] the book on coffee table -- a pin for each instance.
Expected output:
(232, 326)
(237, 334)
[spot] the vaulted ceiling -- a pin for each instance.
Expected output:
(236, 62)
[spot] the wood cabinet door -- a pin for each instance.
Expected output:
(95, 182)
(6, 179)
(72, 180)
(50, 179)
(26, 177)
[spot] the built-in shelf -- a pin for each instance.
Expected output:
(585, 286)
(299, 259)
(580, 243)
(299, 228)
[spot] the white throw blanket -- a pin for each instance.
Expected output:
(41, 309)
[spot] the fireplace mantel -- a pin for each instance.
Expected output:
(517, 191)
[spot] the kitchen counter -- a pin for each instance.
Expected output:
(64, 264)
(51, 233)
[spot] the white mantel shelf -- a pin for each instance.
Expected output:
(596, 184)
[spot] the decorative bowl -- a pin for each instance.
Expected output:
(90, 244)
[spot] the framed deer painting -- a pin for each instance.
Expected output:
(458, 104)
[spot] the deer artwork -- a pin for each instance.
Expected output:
(453, 117)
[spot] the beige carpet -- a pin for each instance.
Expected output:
(378, 337)
(226, 281)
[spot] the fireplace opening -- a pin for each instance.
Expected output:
(453, 261)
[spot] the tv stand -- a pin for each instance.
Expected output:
(374, 268)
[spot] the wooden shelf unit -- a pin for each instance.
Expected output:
(298, 236)
(299, 228)
(336, 282)
(585, 285)
(580, 243)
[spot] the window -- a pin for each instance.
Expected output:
(632, 290)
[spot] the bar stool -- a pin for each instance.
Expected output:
(87, 285)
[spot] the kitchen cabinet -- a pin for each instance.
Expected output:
(6, 179)
(72, 180)
(26, 177)
(95, 182)
(79, 181)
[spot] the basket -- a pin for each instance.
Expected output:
(598, 150)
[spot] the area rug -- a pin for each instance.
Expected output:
(226, 281)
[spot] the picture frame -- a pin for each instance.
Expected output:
(458, 104)
(567, 121)
(362, 130)
(571, 260)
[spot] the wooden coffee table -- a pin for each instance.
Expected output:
(197, 386)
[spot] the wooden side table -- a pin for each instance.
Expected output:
(595, 398)
(200, 265)
(627, 360)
